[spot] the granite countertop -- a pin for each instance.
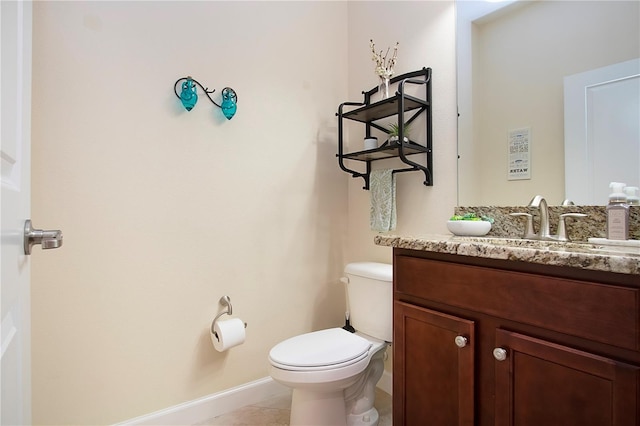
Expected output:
(624, 260)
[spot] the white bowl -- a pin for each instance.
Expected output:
(469, 228)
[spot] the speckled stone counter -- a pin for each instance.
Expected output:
(574, 255)
(594, 225)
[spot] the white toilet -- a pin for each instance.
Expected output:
(333, 373)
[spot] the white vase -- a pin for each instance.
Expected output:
(383, 87)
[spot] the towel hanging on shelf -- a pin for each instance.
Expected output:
(383, 200)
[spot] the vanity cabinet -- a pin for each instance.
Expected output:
(492, 342)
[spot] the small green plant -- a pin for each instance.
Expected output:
(472, 216)
(394, 129)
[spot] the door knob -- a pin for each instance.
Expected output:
(461, 341)
(500, 354)
(49, 239)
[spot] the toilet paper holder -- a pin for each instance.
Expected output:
(226, 302)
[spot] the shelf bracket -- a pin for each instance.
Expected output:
(340, 153)
(428, 169)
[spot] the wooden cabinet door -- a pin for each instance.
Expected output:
(542, 383)
(433, 376)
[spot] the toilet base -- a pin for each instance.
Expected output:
(369, 418)
(310, 408)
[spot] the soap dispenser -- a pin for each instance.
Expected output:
(617, 213)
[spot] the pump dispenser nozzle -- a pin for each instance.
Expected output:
(633, 196)
(617, 195)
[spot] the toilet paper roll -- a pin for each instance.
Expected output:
(227, 334)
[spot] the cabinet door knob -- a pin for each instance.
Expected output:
(500, 354)
(461, 341)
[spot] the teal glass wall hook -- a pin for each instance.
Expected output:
(229, 100)
(189, 96)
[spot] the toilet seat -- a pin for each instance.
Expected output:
(320, 350)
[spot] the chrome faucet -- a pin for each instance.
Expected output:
(543, 227)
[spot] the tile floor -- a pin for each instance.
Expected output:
(275, 412)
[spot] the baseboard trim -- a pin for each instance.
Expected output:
(219, 403)
(212, 405)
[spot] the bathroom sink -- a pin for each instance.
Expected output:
(522, 242)
(624, 247)
(615, 250)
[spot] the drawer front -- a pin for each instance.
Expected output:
(599, 312)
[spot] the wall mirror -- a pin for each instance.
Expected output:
(513, 58)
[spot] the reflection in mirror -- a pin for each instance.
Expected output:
(512, 64)
(601, 130)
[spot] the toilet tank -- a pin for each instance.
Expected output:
(370, 298)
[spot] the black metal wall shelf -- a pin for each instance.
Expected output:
(400, 105)
(384, 108)
(389, 150)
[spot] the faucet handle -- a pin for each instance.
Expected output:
(562, 226)
(528, 232)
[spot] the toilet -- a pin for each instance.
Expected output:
(333, 372)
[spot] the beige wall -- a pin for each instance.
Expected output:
(165, 211)
(426, 33)
(520, 59)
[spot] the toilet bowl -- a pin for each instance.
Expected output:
(329, 371)
(333, 372)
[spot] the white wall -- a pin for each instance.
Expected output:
(165, 211)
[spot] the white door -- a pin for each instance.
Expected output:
(602, 131)
(15, 124)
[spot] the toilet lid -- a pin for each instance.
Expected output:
(320, 348)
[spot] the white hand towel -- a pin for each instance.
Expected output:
(382, 185)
